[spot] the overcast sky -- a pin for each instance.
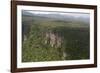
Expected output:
(61, 13)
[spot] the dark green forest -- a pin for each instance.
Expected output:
(47, 39)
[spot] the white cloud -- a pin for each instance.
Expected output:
(39, 12)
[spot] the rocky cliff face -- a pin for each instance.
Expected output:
(53, 39)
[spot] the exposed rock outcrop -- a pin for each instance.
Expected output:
(53, 39)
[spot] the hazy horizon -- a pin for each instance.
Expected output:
(66, 16)
(75, 14)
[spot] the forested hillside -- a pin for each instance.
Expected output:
(45, 38)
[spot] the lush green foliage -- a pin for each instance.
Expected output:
(75, 40)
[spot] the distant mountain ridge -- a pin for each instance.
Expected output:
(58, 16)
